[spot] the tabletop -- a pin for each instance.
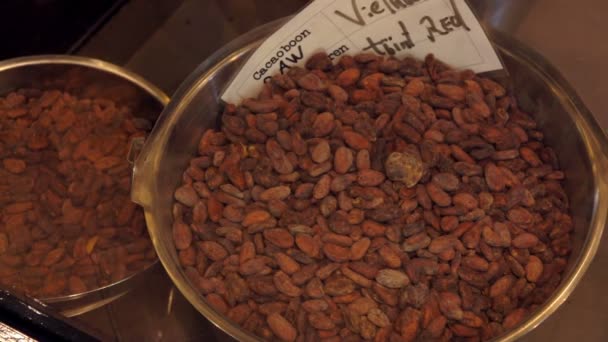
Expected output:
(164, 40)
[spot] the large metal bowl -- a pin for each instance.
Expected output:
(87, 77)
(568, 126)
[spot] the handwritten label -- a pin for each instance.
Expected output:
(446, 28)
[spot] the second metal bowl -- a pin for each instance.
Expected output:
(87, 77)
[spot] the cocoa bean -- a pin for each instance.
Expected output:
(343, 159)
(281, 327)
(392, 278)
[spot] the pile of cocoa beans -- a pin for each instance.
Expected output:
(374, 199)
(67, 224)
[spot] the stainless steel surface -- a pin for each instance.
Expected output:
(87, 77)
(569, 127)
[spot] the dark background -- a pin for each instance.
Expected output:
(50, 26)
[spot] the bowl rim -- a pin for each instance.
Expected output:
(118, 71)
(593, 137)
(93, 63)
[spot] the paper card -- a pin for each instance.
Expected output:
(446, 28)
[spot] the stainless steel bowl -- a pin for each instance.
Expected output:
(86, 77)
(569, 127)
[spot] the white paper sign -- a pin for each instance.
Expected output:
(446, 28)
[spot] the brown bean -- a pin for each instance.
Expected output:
(525, 240)
(534, 269)
(336, 253)
(307, 244)
(252, 266)
(356, 277)
(446, 181)
(449, 223)
(363, 161)
(465, 200)
(255, 217)
(343, 159)
(182, 235)
(213, 250)
(186, 195)
(261, 106)
(348, 77)
(359, 248)
(416, 242)
(321, 189)
(389, 256)
(409, 324)
(520, 216)
(372, 228)
(76, 285)
(275, 193)
(499, 236)
(451, 91)
(337, 93)
(501, 286)
(311, 81)
(438, 196)
(338, 286)
(323, 125)
(370, 177)
(513, 318)
(495, 178)
(53, 257)
(314, 288)
(321, 152)
(315, 305)
(356, 140)
(286, 263)
(284, 284)
(281, 327)
(450, 305)
(392, 278)
(279, 237)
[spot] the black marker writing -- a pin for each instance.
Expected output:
(375, 8)
(386, 46)
(446, 24)
(389, 7)
(359, 18)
